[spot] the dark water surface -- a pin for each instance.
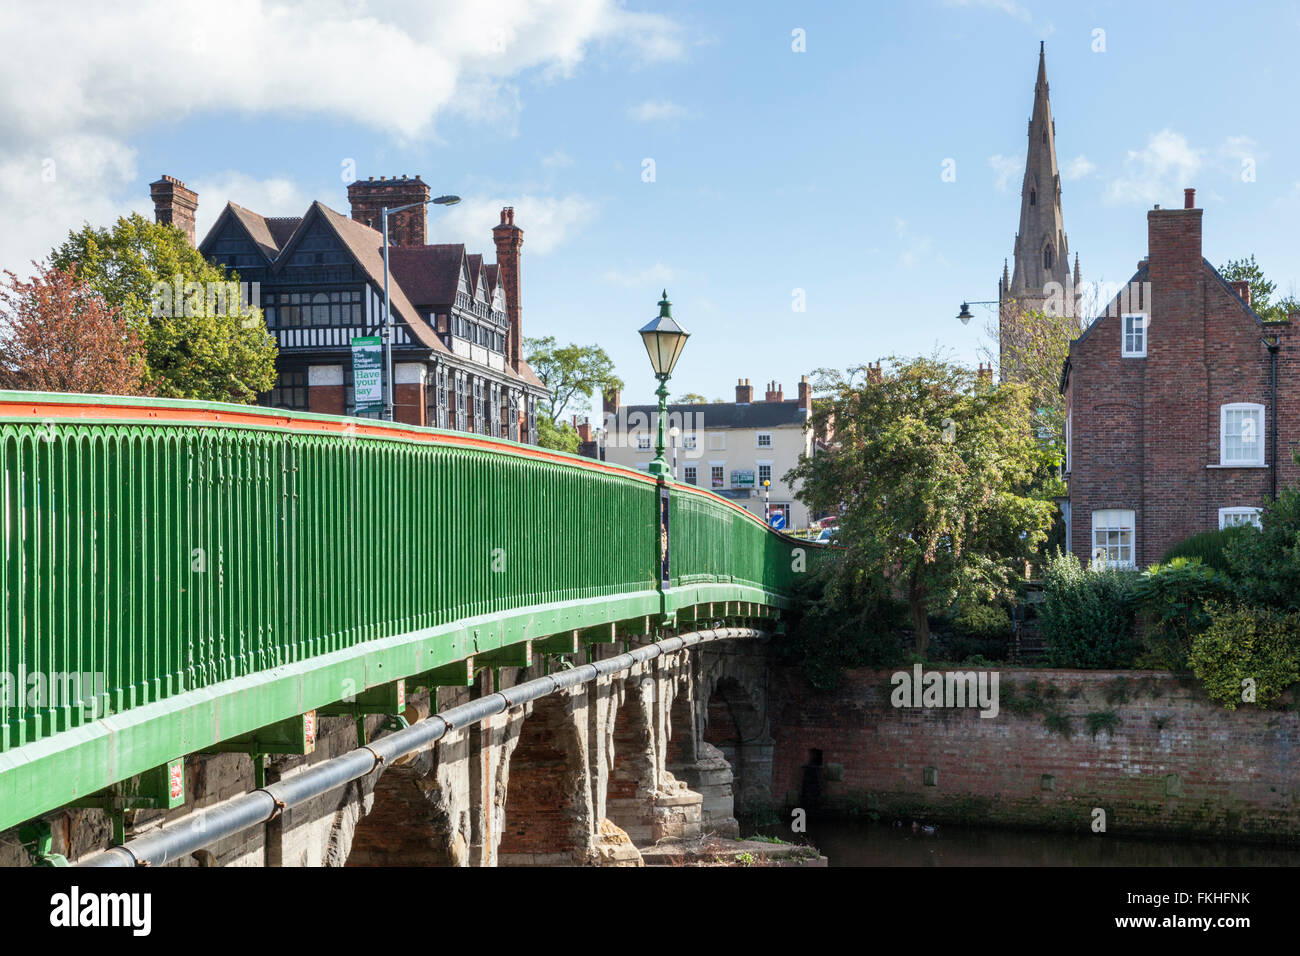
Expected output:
(861, 843)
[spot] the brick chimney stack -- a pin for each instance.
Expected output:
(1174, 253)
(774, 393)
(805, 394)
(744, 392)
(368, 199)
(174, 205)
(508, 239)
(985, 375)
(609, 401)
(874, 375)
(1242, 288)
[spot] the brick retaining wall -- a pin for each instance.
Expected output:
(1176, 762)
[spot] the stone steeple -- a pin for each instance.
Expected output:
(1042, 252)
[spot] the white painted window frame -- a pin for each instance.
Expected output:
(1108, 526)
(1124, 350)
(1252, 513)
(1260, 432)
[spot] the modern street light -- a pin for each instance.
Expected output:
(664, 340)
(388, 312)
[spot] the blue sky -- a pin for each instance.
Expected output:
(774, 170)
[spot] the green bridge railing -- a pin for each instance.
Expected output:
(179, 574)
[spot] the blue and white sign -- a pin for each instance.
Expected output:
(777, 520)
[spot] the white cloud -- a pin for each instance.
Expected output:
(1078, 168)
(915, 250)
(557, 159)
(45, 194)
(80, 85)
(548, 221)
(1009, 7)
(654, 111)
(1158, 171)
(654, 275)
(276, 196)
(1004, 168)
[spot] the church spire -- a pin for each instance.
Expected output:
(1042, 252)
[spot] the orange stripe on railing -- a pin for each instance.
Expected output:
(127, 412)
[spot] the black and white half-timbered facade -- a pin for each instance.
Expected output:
(457, 347)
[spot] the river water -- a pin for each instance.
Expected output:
(862, 843)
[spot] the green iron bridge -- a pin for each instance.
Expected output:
(185, 577)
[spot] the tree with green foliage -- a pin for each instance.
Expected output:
(1261, 289)
(571, 373)
(561, 437)
(199, 340)
(932, 475)
(1034, 344)
(690, 398)
(840, 617)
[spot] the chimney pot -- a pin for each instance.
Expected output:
(1189, 198)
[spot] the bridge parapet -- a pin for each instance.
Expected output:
(181, 576)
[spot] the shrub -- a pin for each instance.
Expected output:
(983, 621)
(1243, 644)
(1170, 599)
(1210, 546)
(1265, 564)
(1087, 616)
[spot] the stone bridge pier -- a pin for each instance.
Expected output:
(585, 776)
(665, 751)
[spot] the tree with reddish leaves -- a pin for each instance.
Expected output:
(58, 335)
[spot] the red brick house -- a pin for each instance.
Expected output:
(1182, 406)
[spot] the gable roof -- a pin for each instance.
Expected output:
(282, 228)
(424, 276)
(429, 274)
(735, 414)
(1142, 275)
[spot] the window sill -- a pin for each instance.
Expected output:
(1257, 467)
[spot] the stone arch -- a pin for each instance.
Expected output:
(546, 789)
(732, 720)
(417, 814)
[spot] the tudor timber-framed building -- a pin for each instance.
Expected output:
(457, 346)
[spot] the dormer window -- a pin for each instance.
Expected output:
(1047, 257)
(1033, 197)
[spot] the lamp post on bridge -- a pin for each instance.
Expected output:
(389, 406)
(664, 340)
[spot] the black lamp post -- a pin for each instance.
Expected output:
(965, 313)
(389, 407)
(664, 340)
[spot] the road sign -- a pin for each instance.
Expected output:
(777, 520)
(367, 374)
